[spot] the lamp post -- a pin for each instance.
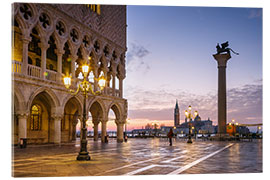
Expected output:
(84, 86)
(155, 124)
(189, 116)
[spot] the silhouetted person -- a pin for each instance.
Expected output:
(170, 136)
(107, 138)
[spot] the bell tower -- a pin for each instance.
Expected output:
(176, 115)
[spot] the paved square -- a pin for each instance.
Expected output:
(139, 157)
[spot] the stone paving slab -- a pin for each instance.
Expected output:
(138, 157)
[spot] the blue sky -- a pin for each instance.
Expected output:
(170, 57)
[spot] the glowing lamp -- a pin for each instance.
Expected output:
(186, 113)
(189, 107)
(102, 82)
(85, 69)
(196, 113)
(67, 81)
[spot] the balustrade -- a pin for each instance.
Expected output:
(33, 71)
(51, 75)
(16, 67)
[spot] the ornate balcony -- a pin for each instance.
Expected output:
(35, 72)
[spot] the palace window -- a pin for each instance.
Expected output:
(35, 122)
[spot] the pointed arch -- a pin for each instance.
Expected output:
(20, 98)
(50, 95)
(116, 109)
(77, 101)
(94, 107)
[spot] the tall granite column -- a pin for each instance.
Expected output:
(222, 104)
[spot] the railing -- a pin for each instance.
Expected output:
(109, 91)
(117, 93)
(33, 71)
(16, 67)
(51, 75)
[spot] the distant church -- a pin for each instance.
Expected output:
(197, 122)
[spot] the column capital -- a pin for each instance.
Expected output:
(104, 121)
(26, 40)
(120, 123)
(22, 115)
(57, 117)
(43, 46)
(73, 57)
(222, 59)
(95, 122)
(59, 51)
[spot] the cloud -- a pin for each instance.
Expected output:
(136, 51)
(246, 101)
(242, 103)
(136, 58)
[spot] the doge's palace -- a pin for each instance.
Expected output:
(53, 40)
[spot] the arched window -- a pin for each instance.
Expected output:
(30, 60)
(38, 62)
(35, 123)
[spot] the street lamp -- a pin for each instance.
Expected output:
(84, 86)
(189, 116)
(155, 124)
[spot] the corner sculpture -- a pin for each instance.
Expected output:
(224, 48)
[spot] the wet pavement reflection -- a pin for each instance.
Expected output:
(138, 157)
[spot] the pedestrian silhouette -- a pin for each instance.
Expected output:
(170, 135)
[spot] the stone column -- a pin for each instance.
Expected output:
(57, 129)
(25, 41)
(59, 64)
(113, 84)
(95, 72)
(121, 87)
(120, 132)
(95, 131)
(22, 118)
(103, 130)
(74, 123)
(43, 47)
(73, 60)
(222, 104)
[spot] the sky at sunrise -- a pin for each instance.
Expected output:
(169, 57)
